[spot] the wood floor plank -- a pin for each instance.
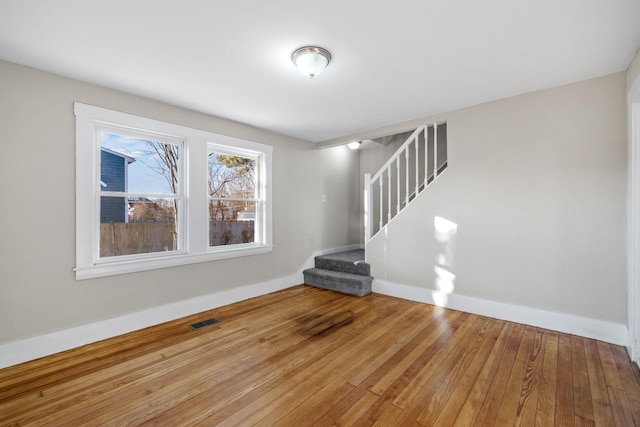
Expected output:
(609, 365)
(467, 330)
(364, 359)
(356, 410)
(442, 334)
(376, 410)
(306, 356)
(620, 407)
(545, 408)
(529, 393)
(425, 386)
(409, 359)
(493, 400)
(583, 408)
(442, 330)
(449, 393)
(629, 380)
(516, 393)
(312, 408)
(602, 414)
(331, 414)
(394, 348)
(460, 388)
(389, 418)
(471, 407)
(564, 383)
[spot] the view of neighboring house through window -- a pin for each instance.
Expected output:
(113, 177)
(232, 197)
(140, 194)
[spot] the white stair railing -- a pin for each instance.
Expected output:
(411, 169)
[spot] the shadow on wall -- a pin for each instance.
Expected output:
(445, 235)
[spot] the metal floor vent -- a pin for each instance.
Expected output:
(203, 323)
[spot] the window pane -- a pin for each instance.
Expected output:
(231, 222)
(231, 176)
(147, 225)
(138, 165)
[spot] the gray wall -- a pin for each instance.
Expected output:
(633, 72)
(38, 292)
(536, 186)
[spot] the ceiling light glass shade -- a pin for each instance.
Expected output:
(311, 60)
(354, 145)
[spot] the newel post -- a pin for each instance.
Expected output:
(367, 207)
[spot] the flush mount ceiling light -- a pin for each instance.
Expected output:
(311, 60)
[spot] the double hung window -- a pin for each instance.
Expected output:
(151, 194)
(233, 196)
(141, 193)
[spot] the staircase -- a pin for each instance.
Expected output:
(345, 272)
(412, 168)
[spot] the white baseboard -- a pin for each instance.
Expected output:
(614, 333)
(16, 352)
(21, 351)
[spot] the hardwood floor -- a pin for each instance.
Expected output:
(305, 356)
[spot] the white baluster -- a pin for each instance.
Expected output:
(398, 183)
(406, 173)
(367, 207)
(435, 150)
(426, 156)
(417, 167)
(389, 194)
(381, 211)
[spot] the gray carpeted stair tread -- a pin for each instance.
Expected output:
(351, 255)
(348, 261)
(348, 283)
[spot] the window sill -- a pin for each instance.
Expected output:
(131, 266)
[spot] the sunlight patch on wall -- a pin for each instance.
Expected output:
(445, 233)
(444, 280)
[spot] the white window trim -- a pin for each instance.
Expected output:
(195, 243)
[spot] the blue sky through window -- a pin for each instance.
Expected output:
(144, 175)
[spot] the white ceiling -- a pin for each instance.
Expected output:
(393, 60)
